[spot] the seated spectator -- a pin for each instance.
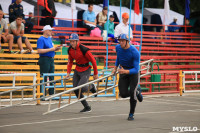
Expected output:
(173, 28)
(17, 29)
(16, 9)
(102, 17)
(30, 21)
(123, 27)
(5, 37)
(188, 29)
(89, 18)
(110, 25)
(162, 36)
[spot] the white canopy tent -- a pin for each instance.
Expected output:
(148, 12)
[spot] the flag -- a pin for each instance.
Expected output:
(41, 3)
(73, 5)
(166, 9)
(105, 3)
(137, 8)
(187, 9)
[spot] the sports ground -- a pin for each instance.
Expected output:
(156, 114)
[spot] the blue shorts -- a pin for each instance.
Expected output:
(17, 37)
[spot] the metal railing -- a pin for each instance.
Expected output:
(91, 82)
(104, 79)
(61, 85)
(16, 88)
(79, 88)
(193, 80)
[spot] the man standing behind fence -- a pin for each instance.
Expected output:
(83, 56)
(128, 59)
(47, 52)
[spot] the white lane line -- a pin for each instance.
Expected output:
(156, 101)
(176, 101)
(79, 118)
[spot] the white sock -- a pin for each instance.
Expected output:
(22, 51)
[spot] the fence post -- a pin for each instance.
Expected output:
(38, 88)
(181, 82)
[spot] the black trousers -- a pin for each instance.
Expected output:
(49, 21)
(127, 88)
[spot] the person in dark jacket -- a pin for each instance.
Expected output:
(50, 12)
(16, 9)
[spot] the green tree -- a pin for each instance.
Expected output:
(175, 5)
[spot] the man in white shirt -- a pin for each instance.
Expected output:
(123, 28)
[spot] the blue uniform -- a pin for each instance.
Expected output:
(128, 58)
(45, 43)
(14, 11)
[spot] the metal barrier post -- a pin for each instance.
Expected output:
(38, 89)
(181, 82)
(116, 90)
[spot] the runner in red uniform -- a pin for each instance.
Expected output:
(82, 72)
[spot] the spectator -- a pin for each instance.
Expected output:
(1, 10)
(174, 28)
(110, 27)
(50, 12)
(5, 37)
(47, 52)
(188, 28)
(123, 28)
(102, 17)
(16, 9)
(89, 18)
(17, 29)
(82, 1)
(162, 36)
(30, 21)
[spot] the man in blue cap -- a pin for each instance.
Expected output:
(128, 59)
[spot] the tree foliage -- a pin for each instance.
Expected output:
(175, 5)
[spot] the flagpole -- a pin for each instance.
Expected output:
(107, 38)
(38, 14)
(72, 19)
(130, 21)
(141, 26)
(120, 13)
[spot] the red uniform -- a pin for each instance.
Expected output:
(81, 59)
